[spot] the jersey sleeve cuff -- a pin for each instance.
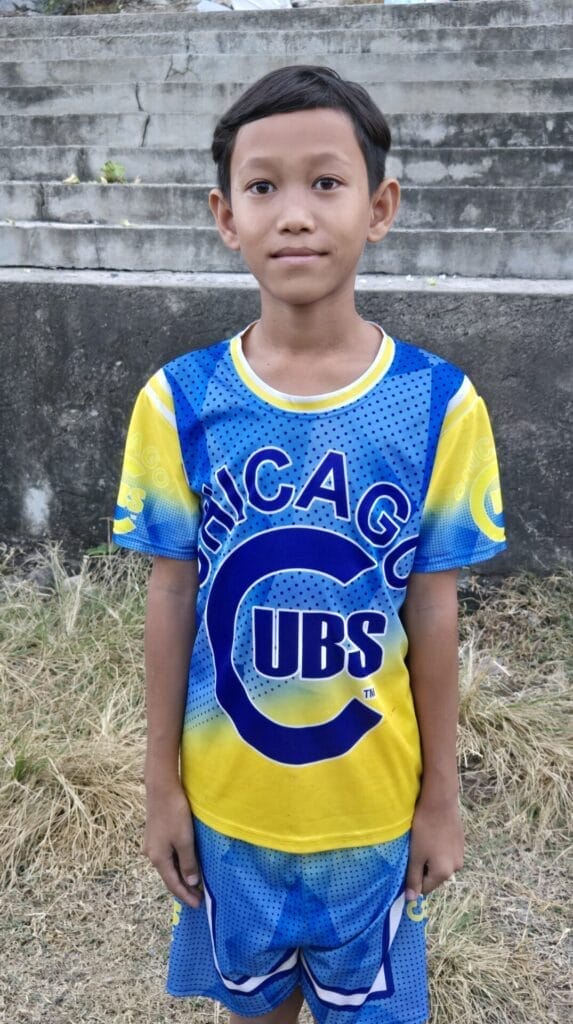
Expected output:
(147, 548)
(457, 561)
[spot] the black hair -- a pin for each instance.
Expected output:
(304, 87)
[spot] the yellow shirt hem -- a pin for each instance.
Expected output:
(302, 844)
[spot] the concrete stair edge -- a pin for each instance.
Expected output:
(469, 13)
(548, 37)
(159, 206)
(146, 131)
(242, 280)
(513, 95)
(508, 253)
(182, 68)
(540, 165)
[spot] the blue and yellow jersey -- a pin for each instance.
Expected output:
(307, 516)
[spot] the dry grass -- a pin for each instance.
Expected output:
(71, 718)
(85, 922)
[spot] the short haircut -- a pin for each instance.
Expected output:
(304, 87)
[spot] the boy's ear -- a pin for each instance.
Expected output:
(383, 209)
(224, 219)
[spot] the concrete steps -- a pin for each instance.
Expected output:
(365, 17)
(479, 97)
(164, 131)
(523, 165)
(284, 43)
(187, 69)
(196, 99)
(446, 207)
(196, 249)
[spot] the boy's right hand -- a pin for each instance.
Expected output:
(169, 844)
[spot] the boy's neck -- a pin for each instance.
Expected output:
(310, 350)
(311, 331)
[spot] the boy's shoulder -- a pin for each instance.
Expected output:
(411, 358)
(197, 360)
(187, 377)
(422, 376)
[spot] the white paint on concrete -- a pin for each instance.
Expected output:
(36, 510)
(460, 172)
(470, 215)
(427, 172)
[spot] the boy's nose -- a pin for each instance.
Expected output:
(295, 216)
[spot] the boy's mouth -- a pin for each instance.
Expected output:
(297, 255)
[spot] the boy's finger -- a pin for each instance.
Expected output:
(173, 881)
(187, 862)
(414, 879)
(430, 883)
(436, 876)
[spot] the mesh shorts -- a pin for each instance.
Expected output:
(334, 923)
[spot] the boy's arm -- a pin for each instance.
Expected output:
(431, 620)
(169, 635)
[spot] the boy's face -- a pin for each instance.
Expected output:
(300, 210)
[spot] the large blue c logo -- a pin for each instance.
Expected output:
(280, 550)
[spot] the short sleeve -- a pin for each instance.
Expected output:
(462, 519)
(156, 511)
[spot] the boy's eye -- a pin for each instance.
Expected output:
(261, 188)
(326, 184)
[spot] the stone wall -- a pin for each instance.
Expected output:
(75, 354)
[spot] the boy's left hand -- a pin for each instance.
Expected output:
(436, 846)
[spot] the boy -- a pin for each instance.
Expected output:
(308, 489)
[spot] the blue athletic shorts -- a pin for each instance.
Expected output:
(334, 923)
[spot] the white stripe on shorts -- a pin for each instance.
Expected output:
(380, 983)
(250, 984)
